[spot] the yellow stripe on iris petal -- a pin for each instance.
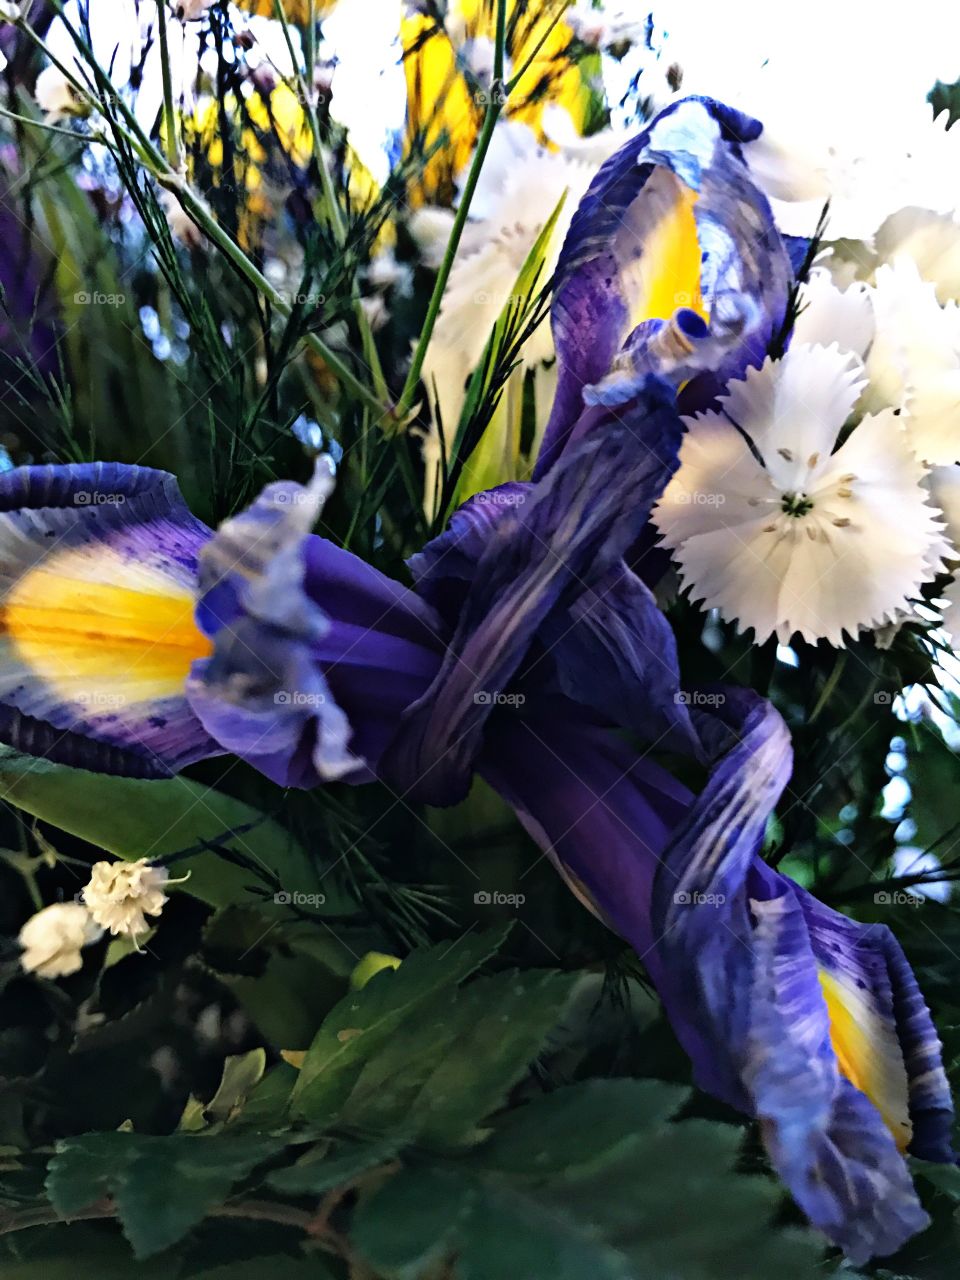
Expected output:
(658, 248)
(868, 1054)
(70, 623)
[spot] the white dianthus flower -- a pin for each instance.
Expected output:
(780, 532)
(120, 895)
(910, 346)
(52, 939)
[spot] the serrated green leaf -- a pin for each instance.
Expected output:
(460, 1055)
(317, 1174)
(162, 1186)
(364, 1021)
(85, 1169)
(413, 1219)
(592, 1182)
(577, 1128)
(159, 818)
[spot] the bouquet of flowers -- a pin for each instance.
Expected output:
(479, 562)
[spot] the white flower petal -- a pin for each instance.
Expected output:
(861, 574)
(719, 483)
(931, 240)
(53, 938)
(914, 362)
(793, 408)
(832, 315)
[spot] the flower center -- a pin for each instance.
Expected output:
(796, 504)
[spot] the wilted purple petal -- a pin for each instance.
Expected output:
(686, 166)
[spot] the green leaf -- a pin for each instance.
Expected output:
(592, 1182)
(241, 1074)
(459, 1056)
(496, 455)
(413, 1220)
(162, 1186)
(316, 1174)
(275, 1267)
(364, 1022)
(945, 1177)
(580, 1127)
(76, 1251)
(84, 1170)
(159, 818)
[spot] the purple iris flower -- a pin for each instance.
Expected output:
(137, 640)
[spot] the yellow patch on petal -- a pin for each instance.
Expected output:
(89, 623)
(668, 267)
(868, 1054)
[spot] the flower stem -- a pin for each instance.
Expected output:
(331, 200)
(171, 132)
(495, 103)
(161, 170)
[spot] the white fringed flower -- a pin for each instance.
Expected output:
(914, 360)
(828, 314)
(931, 241)
(909, 343)
(784, 535)
(53, 939)
(121, 894)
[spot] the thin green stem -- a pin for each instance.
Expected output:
(518, 76)
(83, 139)
(495, 104)
(331, 200)
(171, 131)
(195, 208)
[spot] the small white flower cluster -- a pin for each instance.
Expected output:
(118, 898)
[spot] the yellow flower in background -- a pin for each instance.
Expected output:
(443, 107)
(295, 10)
(269, 119)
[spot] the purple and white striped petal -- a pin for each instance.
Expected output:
(672, 230)
(98, 569)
